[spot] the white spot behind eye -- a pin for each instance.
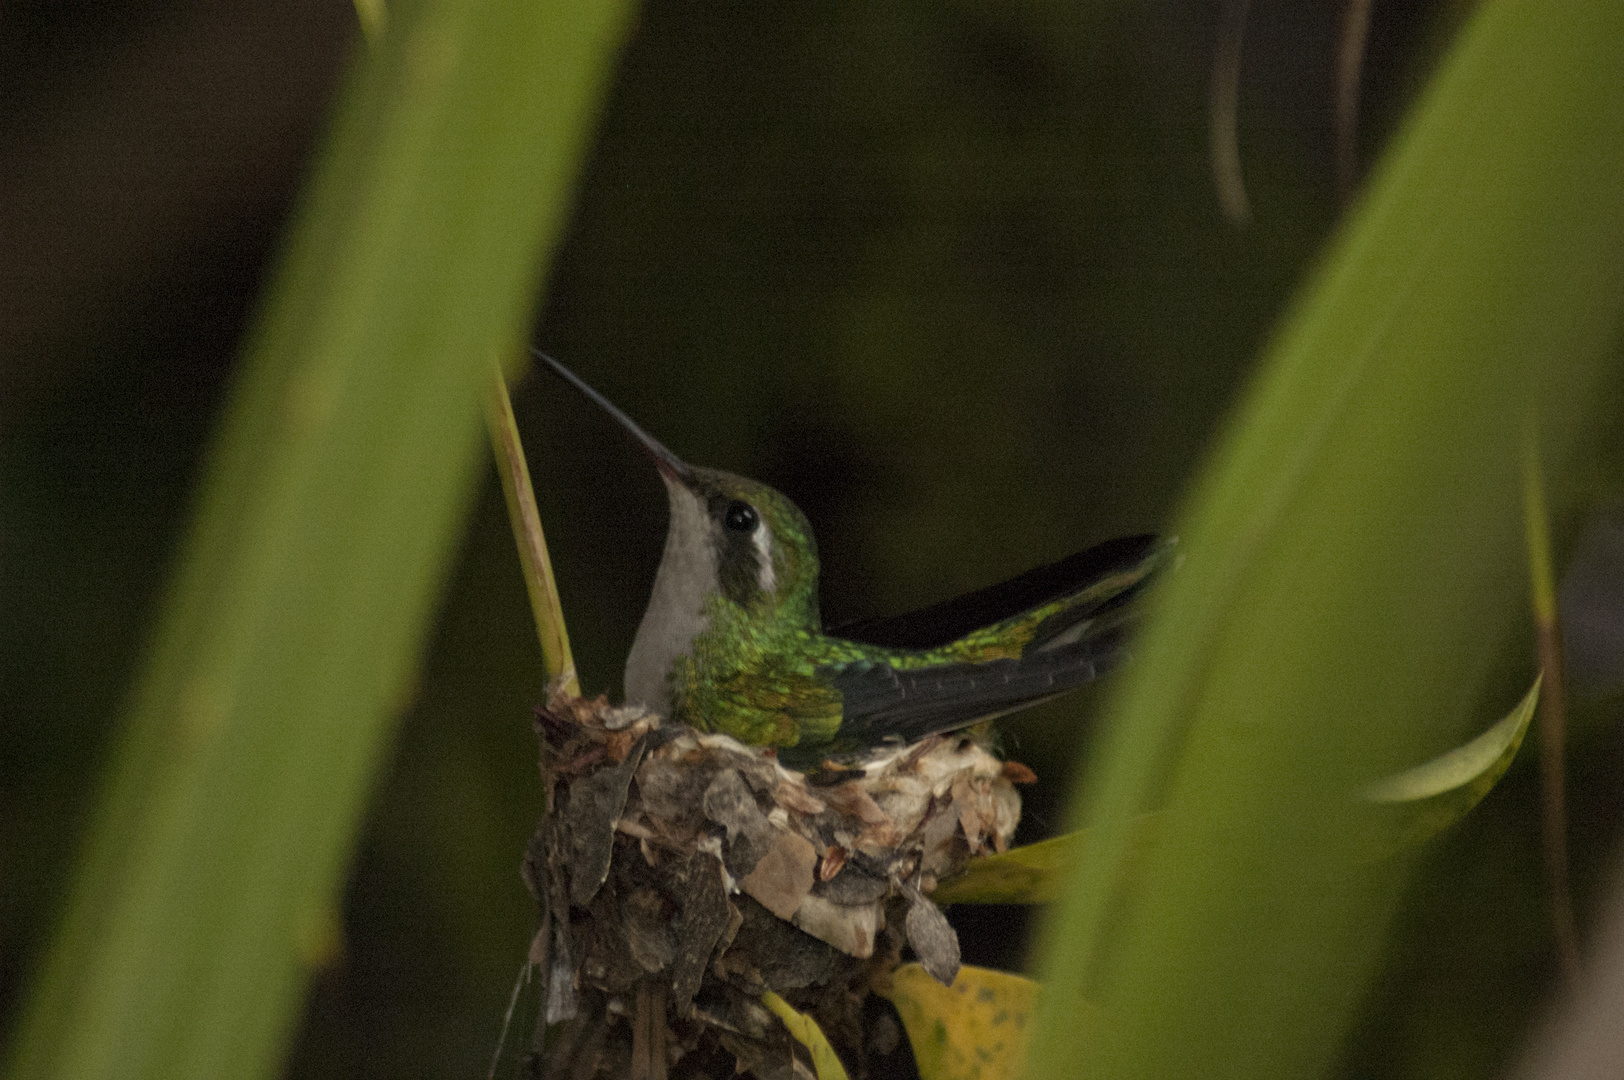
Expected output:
(765, 576)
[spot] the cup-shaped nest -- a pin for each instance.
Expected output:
(682, 874)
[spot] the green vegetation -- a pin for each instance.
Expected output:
(953, 279)
(1354, 547)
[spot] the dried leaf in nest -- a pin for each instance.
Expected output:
(685, 875)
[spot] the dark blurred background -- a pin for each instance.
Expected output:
(951, 275)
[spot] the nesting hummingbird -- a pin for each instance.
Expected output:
(733, 642)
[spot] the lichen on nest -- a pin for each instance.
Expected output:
(682, 874)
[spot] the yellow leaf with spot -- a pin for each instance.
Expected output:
(975, 1029)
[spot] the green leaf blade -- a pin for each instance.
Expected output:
(325, 519)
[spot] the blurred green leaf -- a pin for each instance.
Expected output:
(1353, 552)
(332, 496)
(806, 1032)
(975, 1029)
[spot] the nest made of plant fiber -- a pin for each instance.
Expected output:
(682, 874)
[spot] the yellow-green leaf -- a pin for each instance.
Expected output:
(1029, 874)
(975, 1029)
(808, 1034)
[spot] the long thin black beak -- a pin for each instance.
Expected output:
(664, 460)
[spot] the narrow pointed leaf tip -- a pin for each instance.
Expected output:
(1472, 768)
(1415, 805)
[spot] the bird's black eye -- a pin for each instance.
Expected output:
(741, 517)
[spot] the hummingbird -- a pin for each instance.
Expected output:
(733, 641)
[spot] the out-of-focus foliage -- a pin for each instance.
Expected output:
(1352, 552)
(205, 894)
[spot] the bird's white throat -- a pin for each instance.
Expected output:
(675, 614)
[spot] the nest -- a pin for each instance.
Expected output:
(683, 874)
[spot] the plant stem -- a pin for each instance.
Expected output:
(1552, 709)
(527, 534)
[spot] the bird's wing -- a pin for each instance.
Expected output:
(772, 705)
(880, 702)
(1104, 576)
